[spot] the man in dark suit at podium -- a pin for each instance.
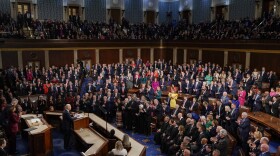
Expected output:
(67, 125)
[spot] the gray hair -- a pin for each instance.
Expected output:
(245, 114)
(223, 132)
(264, 139)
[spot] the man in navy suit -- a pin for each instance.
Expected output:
(244, 129)
(233, 117)
(265, 150)
(67, 125)
(257, 102)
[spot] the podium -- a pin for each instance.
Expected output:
(38, 134)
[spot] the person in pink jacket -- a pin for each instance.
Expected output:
(155, 84)
(241, 96)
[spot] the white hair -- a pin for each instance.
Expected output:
(223, 132)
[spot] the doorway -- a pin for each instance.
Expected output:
(150, 16)
(33, 64)
(23, 8)
(186, 15)
(74, 13)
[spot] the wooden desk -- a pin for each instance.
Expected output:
(266, 120)
(96, 144)
(133, 91)
(39, 139)
(137, 149)
(99, 145)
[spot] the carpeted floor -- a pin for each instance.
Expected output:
(58, 144)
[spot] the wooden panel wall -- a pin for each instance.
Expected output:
(164, 53)
(268, 61)
(145, 55)
(192, 55)
(87, 55)
(61, 58)
(237, 58)
(168, 54)
(129, 53)
(180, 56)
(216, 57)
(9, 58)
(32, 56)
(108, 56)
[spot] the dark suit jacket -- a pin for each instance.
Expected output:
(244, 129)
(222, 146)
(233, 118)
(67, 121)
(265, 154)
(3, 152)
(257, 103)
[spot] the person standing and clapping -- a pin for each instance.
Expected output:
(173, 96)
(67, 125)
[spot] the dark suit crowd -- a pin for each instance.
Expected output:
(198, 126)
(74, 28)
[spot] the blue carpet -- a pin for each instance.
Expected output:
(22, 145)
(58, 145)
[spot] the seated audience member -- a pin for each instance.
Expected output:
(3, 144)
(112, 134)
(183, 146)
(186, 152)
(164, 126)
(126, 142)
(216, 152)
(264, 140)
(254, 142)
(264, 150)
(278, 151)
(174, 145)
(110, 153)
(119, 150)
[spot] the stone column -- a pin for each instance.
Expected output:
(97, 55)
(20, 63)
(248, 59)
(1, 62)
(75, 56)
(152, 55)
(47, 59)
(185, 55)
(225, 58)
(200, 55)
(121, 55)
(139, 52)
(174, 56)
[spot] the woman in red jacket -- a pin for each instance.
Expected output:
(13, 129)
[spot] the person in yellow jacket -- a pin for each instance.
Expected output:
(173, 96)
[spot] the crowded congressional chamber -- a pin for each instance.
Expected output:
(139, 78)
